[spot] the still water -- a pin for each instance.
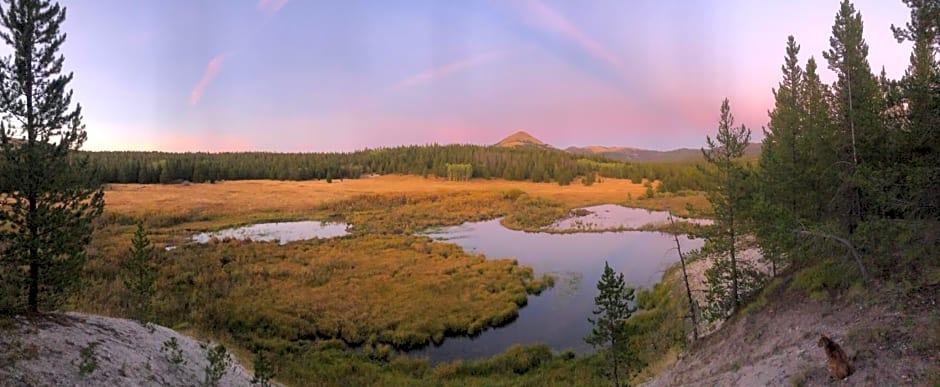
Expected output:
(282, 232)
(557, 317)
(612, 216)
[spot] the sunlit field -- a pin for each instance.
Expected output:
(382, 288)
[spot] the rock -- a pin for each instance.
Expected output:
(48, 352)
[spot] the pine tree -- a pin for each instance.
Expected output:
(613, 307)
(920, 145)
(728, 201)
(859, 129)
(48, 203)
(141, 274)
(780, 154)
(821, 163)
(782, 162)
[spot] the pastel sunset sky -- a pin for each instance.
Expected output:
(340, 75)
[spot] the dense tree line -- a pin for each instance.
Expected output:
(856, 162)
(850, 169)
(533, 164)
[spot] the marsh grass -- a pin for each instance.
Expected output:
(381, 288)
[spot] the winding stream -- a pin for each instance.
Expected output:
(557, 317)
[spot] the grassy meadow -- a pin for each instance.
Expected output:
(382, 288)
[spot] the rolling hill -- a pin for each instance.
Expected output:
(521, 139)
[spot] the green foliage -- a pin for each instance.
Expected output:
(517, 359)
(589, 179)
(218, 362)
(826, 276)
(726, 283)
(457, 162)
(660, 324)
(459, 172)
(141, 272)
(264, 370)
(609, 330)
(87, 363)
(47, 199)
(174, 354)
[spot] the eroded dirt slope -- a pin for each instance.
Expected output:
(893, 340)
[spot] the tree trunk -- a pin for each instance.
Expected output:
(613, 355)
(685, 277)
(734, 261)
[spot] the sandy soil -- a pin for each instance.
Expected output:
(46, 352)
(894, 342)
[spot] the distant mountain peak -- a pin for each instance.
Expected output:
(630, 154)
(520, 138)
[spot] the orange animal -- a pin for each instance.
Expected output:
(838, 363)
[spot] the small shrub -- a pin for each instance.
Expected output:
(87, 364)
(798, 379)
(174, 353)
(827, 276)
(218, 363)
(264, 371)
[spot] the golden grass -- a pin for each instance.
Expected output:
(252, 196)
(400, 290)
(379, 285)
(211, 205)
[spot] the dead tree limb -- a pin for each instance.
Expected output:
(685, 277)
(845, 242)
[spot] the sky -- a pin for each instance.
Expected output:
(316, 76)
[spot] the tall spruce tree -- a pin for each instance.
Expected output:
(859, 130)
(920, 142)
(781, 166)
(613, 307)
(820, 168)
(781, 196)
(729, 203)
(48, 200)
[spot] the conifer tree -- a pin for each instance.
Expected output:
(780, 153)
(920, 145)
(141, 273)
(859, 131)
(782, 161)
(821, 157)
(729, 203)
(613, 307)
(48, 200)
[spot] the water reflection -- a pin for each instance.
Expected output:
(282, 232)
(612, 216)
(558, 317)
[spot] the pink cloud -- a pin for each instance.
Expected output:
(212, 69)
(447, 69)
(271, 6)
(542, 16)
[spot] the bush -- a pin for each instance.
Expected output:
(826, 276)
(173, 352)
(218, 363)
(87, 364)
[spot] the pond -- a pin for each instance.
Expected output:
(612, 216)
(557, 317)
(282, 232)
